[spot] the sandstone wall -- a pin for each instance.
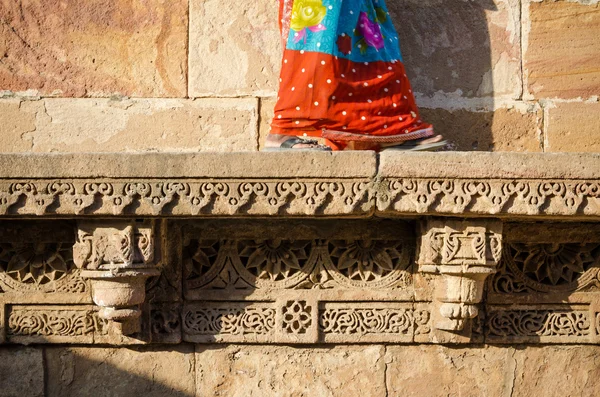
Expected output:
(190, 75)
(238, 370)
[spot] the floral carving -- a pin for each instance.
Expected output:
(548, 268)
(229, 321)
(40, 266)
(553, 264)
(297, 317)
(529, 323)
(274, 259)
(366, 321)
(35, 263)
(299, 264)
(366, 260)
(48, 322)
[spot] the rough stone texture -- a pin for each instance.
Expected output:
(267, 106)
(442, 371)
(17, 122)
(558, 370)
(119, 372)
(287, 371)
(501, 165)
(103, 125)
(355, 164)
(21, 372)
(234, 48)
(511, 130)
(469, 48)
(573, 127)
(561, 58)
(94, 48)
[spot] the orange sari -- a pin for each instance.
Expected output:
(342, 76)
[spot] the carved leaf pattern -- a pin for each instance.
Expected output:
(35, 263)
(538, 323)
(229, 321)
(365, 260)
(54, 323)
(548, 267)
(366, 321)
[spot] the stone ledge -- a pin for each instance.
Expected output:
(301, 184)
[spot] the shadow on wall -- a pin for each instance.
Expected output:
(99, 371)
(447, 53)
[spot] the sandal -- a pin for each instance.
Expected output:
(289, 144)
(416, 145)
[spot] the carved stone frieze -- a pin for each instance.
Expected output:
(539, 324)
(118, 258)
(463, 253)
(60, 324)
(296, 264)
(185, 197)
(529, 268)
(300, 321)
(37, 258)
(492, 197)
(327, 197)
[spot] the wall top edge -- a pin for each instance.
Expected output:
(261, 165)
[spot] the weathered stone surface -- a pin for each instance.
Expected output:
(102, 125)
(17, 122)
(470, 48)
(557, 371)
(358, 164)
(94, 48)
(442, 371)
(286, 371)
(21, 371)
(301, 183)
(234, 48)
(573, 127)
(510, 130)
(485, 165)
(562, 50)
(118, 372)
(267, 106)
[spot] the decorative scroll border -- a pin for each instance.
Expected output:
(540, 324)
(304, 321)
(307, 197)
(490, 196)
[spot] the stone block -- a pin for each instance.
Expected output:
(21, 371)
(17, 122)
(469, 48)
(506, 129)
(94, 48)
(286, 371)
(91, 371)
(234, 48)
(573, 127)
(267, 106)
(102, 125)
(427, 370)
(558, 371)
(562, 49)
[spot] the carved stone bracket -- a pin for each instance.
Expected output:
(464, 254)
(118, 258)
